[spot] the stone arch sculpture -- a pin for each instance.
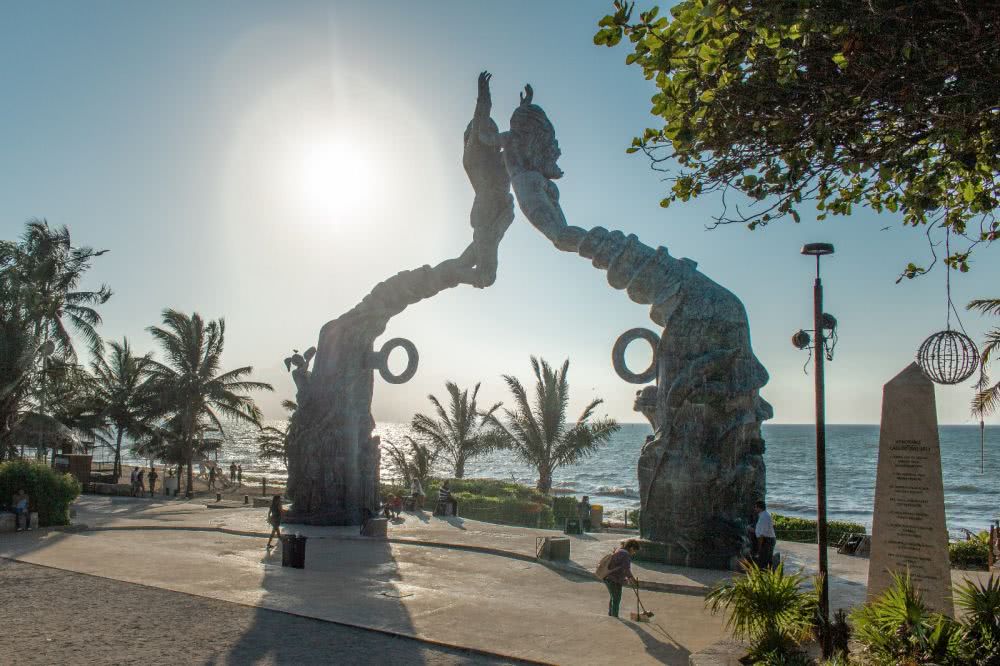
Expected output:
(701, 470)
(333, 458)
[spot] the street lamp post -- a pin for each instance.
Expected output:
(821, 321)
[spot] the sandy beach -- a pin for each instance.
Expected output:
(61, 617)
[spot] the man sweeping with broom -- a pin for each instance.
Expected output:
(615, 570)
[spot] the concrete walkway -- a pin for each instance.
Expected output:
(497, 604)
(452, 581)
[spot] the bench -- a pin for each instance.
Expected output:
(8, 521)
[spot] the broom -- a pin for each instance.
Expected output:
(643, 615)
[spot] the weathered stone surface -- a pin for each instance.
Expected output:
(333, 459)
(701, 472)
(908, 526)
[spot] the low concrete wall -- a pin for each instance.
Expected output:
(120, 489)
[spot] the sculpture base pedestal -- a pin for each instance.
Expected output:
(654, 551)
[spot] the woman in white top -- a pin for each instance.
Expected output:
(417, 492)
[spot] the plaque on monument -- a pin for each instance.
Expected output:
(908, 528)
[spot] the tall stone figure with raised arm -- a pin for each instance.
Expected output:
(333, 458)
(701, 472)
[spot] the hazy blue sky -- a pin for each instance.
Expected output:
(271, 162)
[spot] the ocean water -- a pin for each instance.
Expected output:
(972, 497)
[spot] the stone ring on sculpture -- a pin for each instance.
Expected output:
(380, 361)
(618, 355)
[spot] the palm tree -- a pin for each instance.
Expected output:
(120, 395)
(987, 398)
(539, 434)
(768, 608)
(457, 432)
(39, 276)
(190, 386)
(46, 269)
(415, 462)
(272, 440)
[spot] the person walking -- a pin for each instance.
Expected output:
(620, 574)
(20, 503)
(274, 518)
(232, 472)
(211, 477)
(153, 476)
(764, 532)
(132, 477)
(140, 483)
(239, 474)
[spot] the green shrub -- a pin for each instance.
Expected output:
(770, 609)
(898, 628)
(971, 554)
(633, 518)
(50, 493)
(789, 528)
(564, 507)
(980, 622)
(506, 511)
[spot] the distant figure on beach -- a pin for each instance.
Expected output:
(619, 572)
(140, 483)
(274, 518)
(232, 472)
(583, 513)
(417, 493)
(153, 476)
(764, 531)
(20, 504)
(132, 477)
(239, 474)
(211, 477)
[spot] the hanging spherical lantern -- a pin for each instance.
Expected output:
(948, 357)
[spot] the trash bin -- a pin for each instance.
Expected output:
(573, 526)
(293, 551)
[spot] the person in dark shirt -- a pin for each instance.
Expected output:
(153, 476)
(620, 573)
(446, 506)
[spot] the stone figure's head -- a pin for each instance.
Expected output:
(533, 145)
(645, 403)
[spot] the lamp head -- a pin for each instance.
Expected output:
(817, 249)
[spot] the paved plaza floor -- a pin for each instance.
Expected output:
(453, 582)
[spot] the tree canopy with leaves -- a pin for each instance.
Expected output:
(890, 104)
(191, 388)
(457, 432)
(536, 431)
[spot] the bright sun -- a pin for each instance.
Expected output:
(334, 176)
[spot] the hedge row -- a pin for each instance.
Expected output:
(971, 554)
(803, 530)
(49, 492)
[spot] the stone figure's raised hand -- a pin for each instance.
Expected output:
(484, 98)
(527, 95)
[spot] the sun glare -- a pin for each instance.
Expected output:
(334, 176)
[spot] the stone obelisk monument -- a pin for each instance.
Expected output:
(908, 528)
